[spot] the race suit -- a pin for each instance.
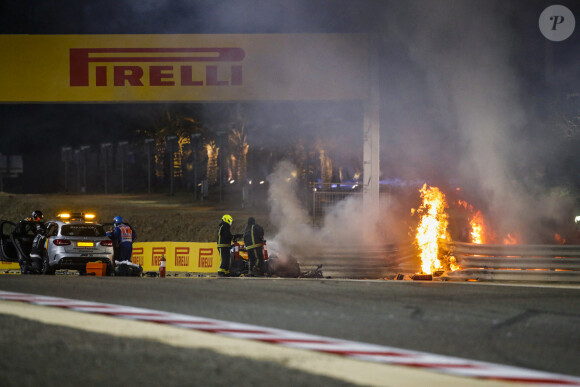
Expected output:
(37, 252)
(23, 236)
(123, 236)
(254, 240)
(224, 243)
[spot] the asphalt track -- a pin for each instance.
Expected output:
(531, 326)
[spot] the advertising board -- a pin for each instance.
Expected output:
(164, 67)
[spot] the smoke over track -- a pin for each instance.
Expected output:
(346, 240)
(466, 101)
(469, 120)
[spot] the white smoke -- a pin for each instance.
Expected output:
(344, 225)
(464, 53)
(287, 213)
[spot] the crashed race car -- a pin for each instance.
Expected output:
(273, 265)
(70, 242)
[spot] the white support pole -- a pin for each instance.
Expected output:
(371, 133)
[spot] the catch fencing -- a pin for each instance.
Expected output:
(325, 196)
(551, 263)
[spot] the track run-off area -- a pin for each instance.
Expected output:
(265, 331)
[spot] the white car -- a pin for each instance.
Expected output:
(73, 244)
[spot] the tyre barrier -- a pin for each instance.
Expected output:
(543, 263)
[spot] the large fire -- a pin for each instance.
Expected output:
(432, 231)
(432, 228)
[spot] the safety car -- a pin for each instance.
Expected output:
(72, 241)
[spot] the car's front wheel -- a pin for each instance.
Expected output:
(46, 269)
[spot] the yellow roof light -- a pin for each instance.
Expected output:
(89, 216)
(64, 215)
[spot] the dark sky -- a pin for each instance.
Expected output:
(452, 71)
(186, 16)
(30, 126)
(262, 16)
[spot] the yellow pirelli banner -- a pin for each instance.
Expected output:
(102, 68)
(9, 266)
(194, 257)
(180, 256)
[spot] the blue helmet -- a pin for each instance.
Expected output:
(117, 220)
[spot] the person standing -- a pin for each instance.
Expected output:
(37, 250)
(123, 236)
(254, 240)
(23, 236)
(224, 243)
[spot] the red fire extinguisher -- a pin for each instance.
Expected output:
(265, 251)
(162, 266)
(236, 251)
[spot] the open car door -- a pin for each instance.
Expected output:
(7, 249)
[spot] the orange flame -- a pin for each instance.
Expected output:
(511, 239)
(477, 228)
(477, 233)
(465, 205)
(432, 228)
(559, 239)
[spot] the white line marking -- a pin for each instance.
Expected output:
(346, 348)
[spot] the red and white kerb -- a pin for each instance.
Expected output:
(351, 349)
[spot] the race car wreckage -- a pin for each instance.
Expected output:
(286, 267)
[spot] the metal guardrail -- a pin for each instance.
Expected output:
(552, 263)
(361, 262)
